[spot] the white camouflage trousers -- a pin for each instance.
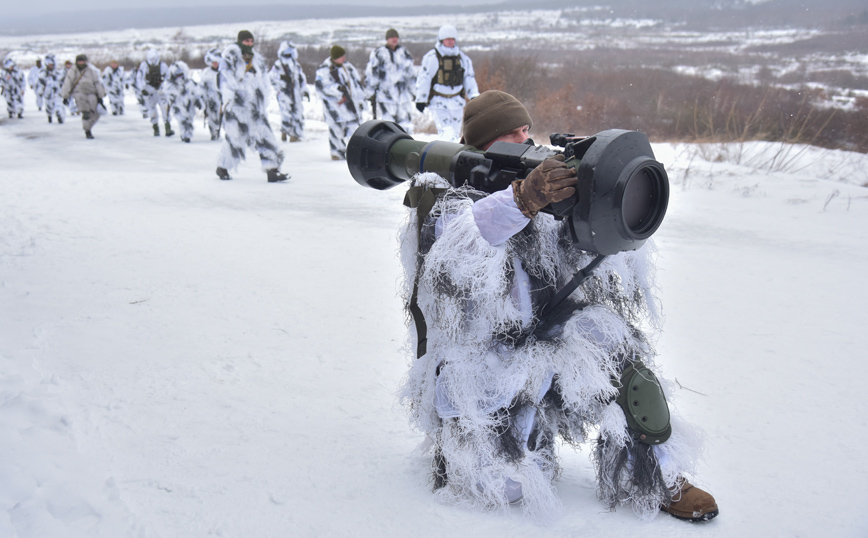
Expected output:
(154, 101)
(239, 132)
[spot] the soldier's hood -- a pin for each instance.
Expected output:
(153, 57)
(8, 63)
(50, 60)
(447, 51)
(213, 55)
(179, 68)
(287, 50)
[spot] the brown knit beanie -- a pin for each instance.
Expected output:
(491, 114)
(391, 32)
(337, 51)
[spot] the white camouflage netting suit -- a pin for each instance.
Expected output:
(447, 111)
(151, 75)
(333, 83)
(14, 84)
(391, 79)
(183, 94)
(114, 80)
(245, 116)
(48, 85)
(290, 84)
(209, 86)
(492, 394)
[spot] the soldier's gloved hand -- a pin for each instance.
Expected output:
(552, 181)
(145, 92)
(66, 102)
(99, 102)
(421, 107)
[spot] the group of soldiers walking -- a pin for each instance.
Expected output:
(77, 89)
(234, 87)
(444, 83)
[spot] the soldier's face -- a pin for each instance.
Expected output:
(341, 60)
(248, 42)
(215, 65)
(516, 136)
(392, 42)
(448, 42)
(114, 65)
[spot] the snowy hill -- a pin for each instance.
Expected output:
(181, 356)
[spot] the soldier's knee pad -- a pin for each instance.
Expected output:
(644, 405)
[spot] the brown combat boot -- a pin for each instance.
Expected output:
(692, 504)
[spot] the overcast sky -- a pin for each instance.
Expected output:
(37, 7)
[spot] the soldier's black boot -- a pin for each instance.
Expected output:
(88, 135)
(223, 173)
(274, 176)
(156, 130)
(169, 131)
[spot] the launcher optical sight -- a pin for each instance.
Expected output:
(621, 195)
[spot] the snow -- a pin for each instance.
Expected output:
(181, 356)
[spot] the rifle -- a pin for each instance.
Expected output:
(347, 99)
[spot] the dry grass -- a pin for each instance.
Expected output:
(586, 97)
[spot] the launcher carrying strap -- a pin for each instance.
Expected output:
(422, 199)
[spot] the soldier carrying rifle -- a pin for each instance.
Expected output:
(290, 84)
(340, 87)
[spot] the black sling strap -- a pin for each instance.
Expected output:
(421, 198)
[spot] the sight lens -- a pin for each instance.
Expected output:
(645, 199)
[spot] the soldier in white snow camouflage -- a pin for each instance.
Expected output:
(498, 382)
(391, 80)
(209, 87)
(33, 78)
(152, 73)
(185, 98)
(245, 88)
(13, 86)
(343, 99)
(445, 83)
(48, 85)
(113, 78)
(291, 86)
(132, 82)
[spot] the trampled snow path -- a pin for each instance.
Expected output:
(181, 356)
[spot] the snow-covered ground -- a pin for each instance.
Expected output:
(182, 356)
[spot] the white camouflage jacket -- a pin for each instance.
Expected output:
(391, 75)
(333, 82)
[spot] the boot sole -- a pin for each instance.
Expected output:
(704, 517)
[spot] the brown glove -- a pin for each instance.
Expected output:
(552, 181)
